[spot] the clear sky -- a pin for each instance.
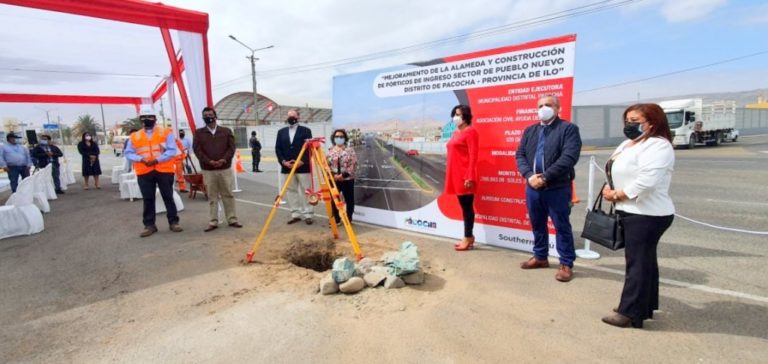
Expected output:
(629, 41)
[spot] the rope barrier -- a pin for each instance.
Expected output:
(704, 223)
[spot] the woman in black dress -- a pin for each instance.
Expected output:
(90, 152)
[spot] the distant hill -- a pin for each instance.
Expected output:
(741, 97)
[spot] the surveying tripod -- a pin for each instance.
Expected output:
(328, 192)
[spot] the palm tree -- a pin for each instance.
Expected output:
(85, 124)
(128, 124)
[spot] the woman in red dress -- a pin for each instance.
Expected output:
(461, 171)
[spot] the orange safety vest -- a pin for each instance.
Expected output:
(151, 149)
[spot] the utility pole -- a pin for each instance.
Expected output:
(61, 133)
(103, 123)
(253, 60)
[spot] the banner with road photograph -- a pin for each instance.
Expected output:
(399, 122)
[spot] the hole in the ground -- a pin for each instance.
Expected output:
(317, 255)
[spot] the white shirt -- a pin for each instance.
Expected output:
(292, 131)
(213, 131)
(644, 172)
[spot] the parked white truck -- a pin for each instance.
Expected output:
(693, 122)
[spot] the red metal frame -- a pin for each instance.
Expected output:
(128, 11)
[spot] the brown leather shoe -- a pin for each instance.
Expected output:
(534, 263)
(176, 228)
(211, 228)
(293, 220)
(148, 230)
(309, 221)
(564, 274)
(620, 320)
(235, 224)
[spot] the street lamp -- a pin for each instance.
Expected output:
(48, 118)
(253, 72)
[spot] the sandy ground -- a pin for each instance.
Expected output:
(89, 290)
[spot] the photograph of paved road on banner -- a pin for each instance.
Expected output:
(401, 122)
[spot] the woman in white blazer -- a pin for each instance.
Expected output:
(641, 172)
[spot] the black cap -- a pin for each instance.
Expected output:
(12, 135)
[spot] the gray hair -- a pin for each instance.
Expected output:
(554, 97)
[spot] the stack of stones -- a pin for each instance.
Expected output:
(348, 277)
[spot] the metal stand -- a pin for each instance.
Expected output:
(586, 253)
(328, 190)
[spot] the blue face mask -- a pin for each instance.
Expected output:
(43, 142)
(338, 141)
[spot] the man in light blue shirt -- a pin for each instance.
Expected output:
(15, 159)
(187, 143)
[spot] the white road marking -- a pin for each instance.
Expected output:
(671, 282)
(430, 177)
(738, 202)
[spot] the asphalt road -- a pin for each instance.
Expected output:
(88, 289)
(381, 183)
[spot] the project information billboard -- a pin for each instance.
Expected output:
(403, 118)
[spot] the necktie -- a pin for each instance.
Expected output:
(539, 163)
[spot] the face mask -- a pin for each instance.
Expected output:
(546, 113)
(338, 141)
(148, 123)
(633, 130)
(209, 120)
(292, 120)
(88, 137)
(43, 142)
(458, 120)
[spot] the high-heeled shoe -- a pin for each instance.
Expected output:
(469, 241)
(466, 244)
(620, 320)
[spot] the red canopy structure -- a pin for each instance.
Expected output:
(188, 58)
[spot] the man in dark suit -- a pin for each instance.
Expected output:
(288, 144)
(46, 153)
(546, 158)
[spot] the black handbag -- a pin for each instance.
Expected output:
(603, 228)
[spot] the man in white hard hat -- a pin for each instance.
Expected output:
(152, 150)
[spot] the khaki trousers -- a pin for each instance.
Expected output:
(297, 201)
(219, 186)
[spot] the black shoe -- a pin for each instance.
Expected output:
(59, 192)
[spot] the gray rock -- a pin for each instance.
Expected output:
(343, 269)
(328, 286)
(374, 279)
(352, 285)
(380, 269)
(414, 278)
(388, 257)
(364, 266)
(393, 282)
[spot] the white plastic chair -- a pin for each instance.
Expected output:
(50, 188)
(129, 186)
(116, 172)
(39, 194)
(20, 216)
(66, 176)
(160, 205)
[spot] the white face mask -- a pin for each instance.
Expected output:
(88, 137)
(546, 113)
(458, 120)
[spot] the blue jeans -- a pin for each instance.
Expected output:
(13, 174)
(555, 204)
